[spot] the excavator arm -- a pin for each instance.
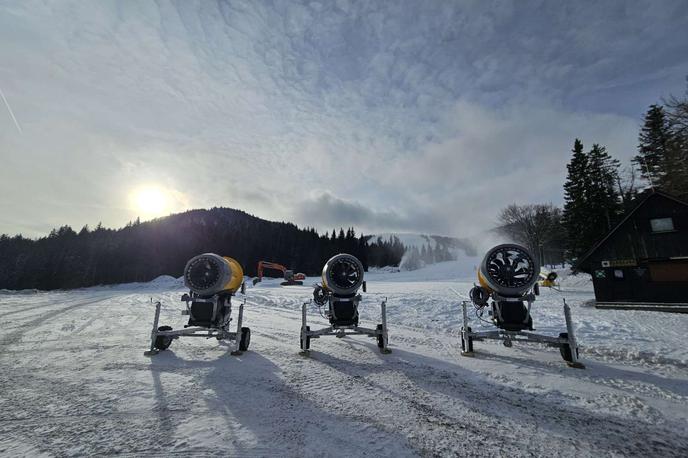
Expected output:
(289, 276)
(262, 265)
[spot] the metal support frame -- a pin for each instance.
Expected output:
(385, 335)
(529, 298)
(342, 331)
(220, 333)
(573, 344)
(237, 334)
(508, 337)
(154, 333)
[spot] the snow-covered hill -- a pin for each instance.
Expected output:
(439, 249)
(75, 382)
(420, 240)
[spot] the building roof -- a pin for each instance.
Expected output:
(640, 202)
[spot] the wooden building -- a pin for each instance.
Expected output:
(644, 259)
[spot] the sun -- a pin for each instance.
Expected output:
(151, 201)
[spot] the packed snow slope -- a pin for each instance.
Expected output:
(75, 382)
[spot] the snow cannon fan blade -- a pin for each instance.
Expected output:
(208, 274)
(343, 274)
(509, 270)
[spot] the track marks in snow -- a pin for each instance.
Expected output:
(81, 386)
(438, 408)
(43, 318)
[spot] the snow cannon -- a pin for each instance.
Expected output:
(208, 274)
(508, 270)
(212, 281)
(338, 300)
(508, 284)
(548, 279)
(342, 274)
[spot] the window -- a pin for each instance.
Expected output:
(662, 224)
(676, 271)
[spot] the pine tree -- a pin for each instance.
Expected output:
(676, 178)
(604, 204)
(575, 201)
(592, 201)
(653, 144)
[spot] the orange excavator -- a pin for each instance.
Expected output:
(290, 278)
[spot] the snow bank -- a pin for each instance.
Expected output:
(463, 268)
(569, 281)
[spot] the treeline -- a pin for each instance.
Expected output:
(392, 252)
(599, 189)
(416, 258)
(381, 253)
(143, 251)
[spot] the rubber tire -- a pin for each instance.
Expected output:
(470, 342)
(162, 342)
(380, 339)
(565, 349)
(308, 340)
(245, 339)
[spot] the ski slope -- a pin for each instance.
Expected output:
(75, 382)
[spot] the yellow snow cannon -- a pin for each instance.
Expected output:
(548, 279)
(508, 284)
(209, 273)
(508, 270)
(212, 281)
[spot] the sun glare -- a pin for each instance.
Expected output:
(151, 201)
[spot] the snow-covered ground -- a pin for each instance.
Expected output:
(74, 380)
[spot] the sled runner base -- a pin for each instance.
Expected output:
(566, 342)
(340, 331)
(162, 336)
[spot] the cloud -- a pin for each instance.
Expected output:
(327, 210)
(497, 157)
(391, 115)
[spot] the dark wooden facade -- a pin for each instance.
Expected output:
(645, 257)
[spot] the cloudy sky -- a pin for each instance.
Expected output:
(386, 115)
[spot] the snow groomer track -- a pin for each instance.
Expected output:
(74, 379)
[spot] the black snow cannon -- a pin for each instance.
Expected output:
(212, 281)
(507, 286)
(337, 299)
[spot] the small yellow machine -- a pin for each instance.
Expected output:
(548, 280)
(212, 281)
(508, 284)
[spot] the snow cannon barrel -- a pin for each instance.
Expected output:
(509, 270)
(208, 274)
(343, 274)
